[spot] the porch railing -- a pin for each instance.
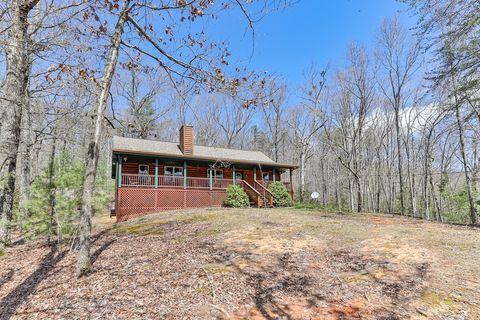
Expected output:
(148, 181)
(135, 180)
(266, 184)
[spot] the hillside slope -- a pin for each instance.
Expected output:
(252, 264)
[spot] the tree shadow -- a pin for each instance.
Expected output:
(281, 287)
(10, 303)
(19, 295)
(7, 278)
(100, 234)
(102, 248)
(282, 277)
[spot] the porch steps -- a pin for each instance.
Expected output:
(257, 198)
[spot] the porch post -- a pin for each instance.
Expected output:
(273, 171)
(211, 177)
(233, 174)
(156, 173)
(291, 181)
(119, 171)
(184, 174)
(254, 177)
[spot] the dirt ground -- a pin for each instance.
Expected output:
(252, 264)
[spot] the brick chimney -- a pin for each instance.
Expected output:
(186, 140)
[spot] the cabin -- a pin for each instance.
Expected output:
(153, 176)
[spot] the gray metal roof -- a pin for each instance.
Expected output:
(162, 148)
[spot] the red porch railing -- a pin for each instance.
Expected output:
(266, 184)
(135, 180)
(148, 181)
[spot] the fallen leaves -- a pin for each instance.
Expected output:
(255, 264)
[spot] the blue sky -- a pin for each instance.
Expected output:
(318, 32)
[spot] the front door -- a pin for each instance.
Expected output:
(238, 176)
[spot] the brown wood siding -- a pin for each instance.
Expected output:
(132, 167)
(197, 171)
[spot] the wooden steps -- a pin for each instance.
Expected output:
(259, 198)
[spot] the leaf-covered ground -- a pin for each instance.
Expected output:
(252, 264)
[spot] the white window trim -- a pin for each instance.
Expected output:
(173, 171)
(214, 173)
(145, 165)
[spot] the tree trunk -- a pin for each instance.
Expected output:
(461, 136)
(476, 167)
(338, 200)
(324, 185)
(438, 210)
(426, 198)
(413, 198)
(24, 161)
(350, 196)
(302, 175)
(359, 193)
(51, 187)
(15, 98)
(84, 264)
(399, 155)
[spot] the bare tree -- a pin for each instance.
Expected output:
(84, 264)
(144, 110)
(14, 101)
(273, 110)
(231, 120)
(398, 57)
(352, 103)
(307, 119)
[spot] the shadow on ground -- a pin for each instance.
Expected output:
(46, 269)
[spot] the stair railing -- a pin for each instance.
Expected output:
(248, 188)
(266, 193)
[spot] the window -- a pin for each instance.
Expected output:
(174, 171)
(143, 169)
(266, 176)
(216, 174)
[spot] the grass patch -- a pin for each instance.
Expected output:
(150, 228)
(3, 253)
(433, 298)
(198, 235)
(202, 217)
(220, 269)
(318, 206)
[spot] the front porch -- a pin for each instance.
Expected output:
(147, 172)
(151, 184)
(152, 181)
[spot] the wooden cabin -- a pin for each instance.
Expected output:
(153, 176)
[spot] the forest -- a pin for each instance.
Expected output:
(395, 129)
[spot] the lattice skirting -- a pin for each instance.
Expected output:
(134, 202)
